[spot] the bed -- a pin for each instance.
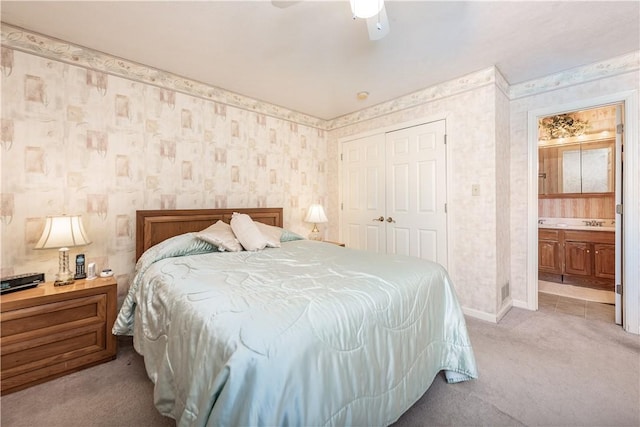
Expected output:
(308, 333)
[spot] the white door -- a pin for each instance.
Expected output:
(416, 192)
(618, 191)
(363, 192)
(394, 192)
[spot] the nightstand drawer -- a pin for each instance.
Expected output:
(47, 318)
(27, 355)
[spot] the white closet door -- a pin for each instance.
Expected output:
(363, 188)
(416, 192)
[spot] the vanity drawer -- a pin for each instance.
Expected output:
(590, 236)
(548, 234)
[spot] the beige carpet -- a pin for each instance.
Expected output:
(577, 292)
(536, 369)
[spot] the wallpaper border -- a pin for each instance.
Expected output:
(51, 48)
(443, 90)
(597, 70)
(55, 49)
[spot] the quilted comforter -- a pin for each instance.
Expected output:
(307, 334)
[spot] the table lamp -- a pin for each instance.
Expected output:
(316, 216)
(63, 232)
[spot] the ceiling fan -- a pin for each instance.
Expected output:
(373, 11)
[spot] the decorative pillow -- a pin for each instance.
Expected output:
(247, 232)
(271, 233)
(221, 235)
(289, 236)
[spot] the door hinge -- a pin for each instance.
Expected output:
(619, 289)
(445, 139)
(620, 129)
(340, 156)
(445, 208)
(341, 206)
(619, 209)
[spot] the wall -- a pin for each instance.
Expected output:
(469, 105)
(81, 141)
(503, 202)
(86, 133)
(578, 207)
(614, 76)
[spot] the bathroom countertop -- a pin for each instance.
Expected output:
(577, 224)
(576, 227)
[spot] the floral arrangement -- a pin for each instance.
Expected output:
(562, 126)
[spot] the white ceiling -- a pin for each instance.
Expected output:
(312, 57)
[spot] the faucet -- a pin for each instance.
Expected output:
(541, 221)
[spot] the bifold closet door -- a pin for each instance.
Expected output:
(416, 192)
(363, 193)
(394, 192)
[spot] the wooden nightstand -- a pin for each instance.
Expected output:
(50, 331)
(334, 243)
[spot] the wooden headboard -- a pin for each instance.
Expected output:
(155, 226)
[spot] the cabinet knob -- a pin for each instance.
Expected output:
(596, 252)
(588, 251)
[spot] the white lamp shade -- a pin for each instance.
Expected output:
(316, 214)
(63, 232)
(366, 8)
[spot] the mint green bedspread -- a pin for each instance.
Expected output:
(307, 334)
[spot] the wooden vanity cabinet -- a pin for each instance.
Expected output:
(605, 260)
(549, 251)
(577, 257)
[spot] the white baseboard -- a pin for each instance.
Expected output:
(488, 317)
(506, 306)
(520, 304)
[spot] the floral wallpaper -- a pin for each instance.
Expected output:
(86, 133)
(81, 141)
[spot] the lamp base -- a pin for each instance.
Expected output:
(315, 233)
(64, 276)
(315, 236)
(63, 282)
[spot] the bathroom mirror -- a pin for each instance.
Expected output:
(576, 168)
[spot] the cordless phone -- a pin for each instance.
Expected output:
(80, 273)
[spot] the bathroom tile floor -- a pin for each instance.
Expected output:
(577, 292)
(576, 307)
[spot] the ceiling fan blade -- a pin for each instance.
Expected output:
(378, 25)
(282, 4)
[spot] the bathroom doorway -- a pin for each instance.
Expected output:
(579, 196)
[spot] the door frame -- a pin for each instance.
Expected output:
(391, 128)
(631, 199)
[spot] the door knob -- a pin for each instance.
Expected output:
(378, 219)
(391, 219)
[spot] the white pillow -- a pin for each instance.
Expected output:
(247, 232)
(271, 233)
(221, 235)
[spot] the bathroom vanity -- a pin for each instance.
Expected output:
(582, 255)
